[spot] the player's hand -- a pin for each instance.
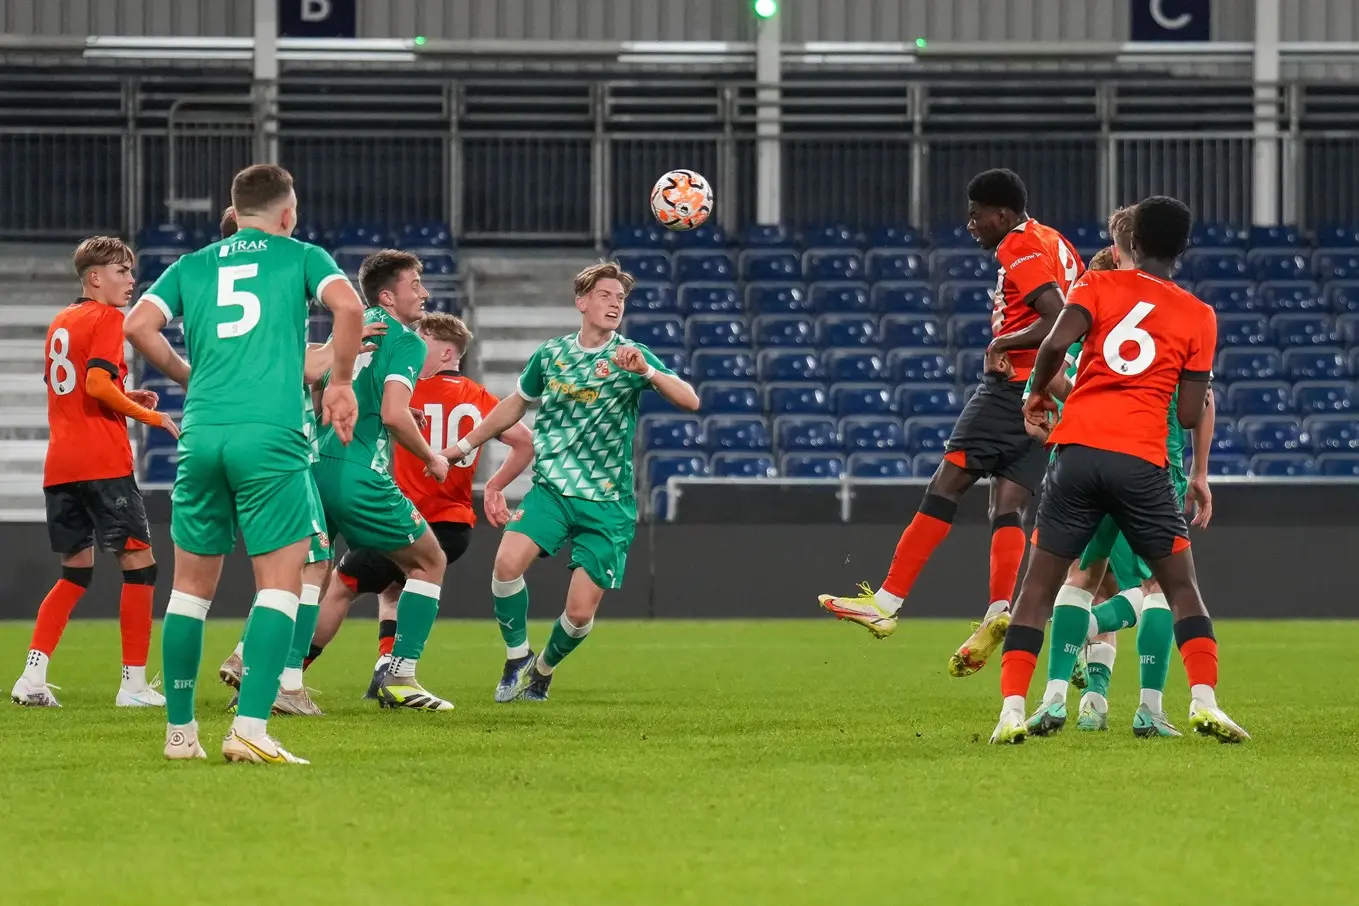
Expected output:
(375, 329)
(998, 362)
(1201, 496)
(169, 425)
(1038, 431)
(437, 467)
(497, 511)
(419, 416)
(630, 358)
(147, 399)
(340, 410)
(1038, 412)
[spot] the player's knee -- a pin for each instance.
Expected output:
(78, 575)
(141, 575)
(506, 567)
(1000, 520)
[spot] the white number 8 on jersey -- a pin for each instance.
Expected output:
(1127, 331)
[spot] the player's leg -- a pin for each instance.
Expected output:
(1071, 621)
(359, 572)
(1155, 640)
(389, 601)
(416, 609)
(1005, 509)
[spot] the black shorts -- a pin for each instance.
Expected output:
(370, 571)
(1085, 484)
(105, 511)
(990, 433)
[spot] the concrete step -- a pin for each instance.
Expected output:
(48, 297)
(27, 486)
(23, 383)
(22, 451)
(28, 261)
(24, 508)
(21, 350)
(530, 263)
(509, 352)
(24, 417)
(556, 320)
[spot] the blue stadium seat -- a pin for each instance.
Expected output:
(348, 261)
(647, 266)
(159, 440)
(304, 232)
(678, 361)
(1338, 465)
(812, 465)
(788, 365)
(659, 467)
(969, 331)
(852, 364)
(1217, 235)
(1354, 361)
(672, 432)
(880, 465)
(784, 330)
(1338, 236)
(1242, 330)
(1229, 464)
(1303, 330)
(830, 235)
(655, 404)
(168, 236)
(896, 264)
(1248, 364)
(742, 465)
(967, 298)
(1270, 265)
(1276, 237)
(1259, 398)
(928, 399)
(430, 235)
(1333, 433)
(445, 303)
(912, 330)
(631, 236)
(723, 365)
(1342, 296)
(703, 266)
(1336, 264)
(1214, 264)
(847, 330)
(1086, 234)
(924, 465)
(777, 298)
(656, 331)
(928, 434)
(1323, 363)
(160, 466)
(766, 235)
(709, 299)
(716, 330)
(903, 298)
(653, 297)
(806, 434)
(861, 399)
(833, 264)
(770, 265)
(870, 434)
(436, 263)
(1229, 296)
(373, 235)
(1290, 296)
(1347, 326)
(727, 398)
(970, 365)
(708, 236)
(1272, 433)
(951, 236)
(895, 237)
(948, 265)
(1323, 397)
(843, 298)
(1283, 465)
(1227, 439)
(797, 399)
(744, 433)
(151, 264)
(171, 394)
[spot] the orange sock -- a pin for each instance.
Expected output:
(55, 613)
(1007, 553)
(1016, 672)
(1200, 661)
(929, 527)
(134, 620)
(385, 646)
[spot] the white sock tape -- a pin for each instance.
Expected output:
(187, 606)
(505, 589)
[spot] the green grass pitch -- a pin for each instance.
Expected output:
(691, 763)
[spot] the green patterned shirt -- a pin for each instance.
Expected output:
(582, 437)
(309, 426)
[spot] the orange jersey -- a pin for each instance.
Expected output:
(87, 440)
(453, 406)
(1146, 334)
(1032, 258)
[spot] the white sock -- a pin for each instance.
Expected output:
(518, 651)
(1013, 703)
(997, 608)
(887, 602)
(402, 667)
(1056, 689)
(382, 659)
(35, 667)
(1101, 653)
(240, 649)
(291, 680)
(134, 678)
(542, 667)
(1151, 601)
(1152, 699)
(1204, 695)
(250, 727)
(1096, 701)
(1135, 598)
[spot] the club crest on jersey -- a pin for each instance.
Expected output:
(602, 369)
(516, 515)
(323, 541)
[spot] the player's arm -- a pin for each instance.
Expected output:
(399, 421)
(325, 281)
(642, 361)
(321, 356)
(1203, 437)
(143, 327)
(101, 385)
(1048, 303)
(1197, 375)
(519, 439)
(1071, 325)
(504, 416)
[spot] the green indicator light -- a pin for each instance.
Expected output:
(766, 9)
(921, 42)
(420, 40)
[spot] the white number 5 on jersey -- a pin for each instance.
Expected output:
(1127, 331)
(228, 295)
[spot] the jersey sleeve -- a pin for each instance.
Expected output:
(1084, 297)
(654, 362)
(405, 362)
(1199, 365)
(1028, 269)
(319, 270)
(486, 402)
(106, 345)
(532, 384)
(166, 293)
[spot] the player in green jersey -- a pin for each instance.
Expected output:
(587, 386)
(361, 500)
(243, 454)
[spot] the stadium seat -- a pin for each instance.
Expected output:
(660, 467)
(1322, 397)
(861, 399)
(742, 465)
(797, 399)
(1085, 235)
(806, 433)
(172, 237)
(784, 330)
(928, 399)
(709, 299)
(647, 266)
(656, 331)
(1303, 330)
(1271, 265)
(971, 364)
(1248, 364)
(629, 237)
(853, 364)
(831, 235)
(1228, 296)
(967, 331)
(305, 232)
(1283, 465)
(708, 236)
(1324, 363)
(653, 297)
(1335, 264)
(655, 404)
(447, 303)
(766, 235)
(1275, 237)
(903, 298)
(879, 465)
(160, 466)
(677, 360)
(951, 236)
(895, 237)
(436, 263)
(1242, 330)
(703, 266)
(1272, 434)
(727, 398)
(948, 265)
(1214, 264)
(672, 432)
(743, 433)
(846, 330)
(770, 265)
(1333, 433)
(1338, 465)
(870, 434)
(1216, 235)
(896, 264)
(716, 330)
(928, 434)
(1227, 441)
(833, 264)
(1338, 235)
(919, 366)
(812, 465)
(840, 298)
(171, 394)
(788, 365)
(967, 298)
(924, 465)
(348, 259)
(918, 331)
(1230, 464)
(723, 365)
(1342, 296)
(1259, 398)
(777, 298)
(1290, 296)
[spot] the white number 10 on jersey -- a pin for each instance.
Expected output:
(445, 433)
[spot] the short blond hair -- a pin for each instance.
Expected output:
(1103, 260)
(1121, 228)
(97, 251)
(604, 270)
(449, 328)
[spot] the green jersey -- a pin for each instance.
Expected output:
(309, 426)
(244, 303)
(399, 356)
(583, 434)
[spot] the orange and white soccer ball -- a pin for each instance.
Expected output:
(682, 200)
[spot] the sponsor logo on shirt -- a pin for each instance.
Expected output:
(243, 245)
(567, 388)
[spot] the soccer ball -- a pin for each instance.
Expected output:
(682, 200)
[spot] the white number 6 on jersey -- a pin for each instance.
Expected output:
(1127, 331)
(228, 294)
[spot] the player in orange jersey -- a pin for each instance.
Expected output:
(1037, 267)
(450, 405)
(88, 482)
(1145, 339)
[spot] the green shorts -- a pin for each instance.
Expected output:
(254, 476)
(1109, 544)
(366, 507)
(319, 549)
(600, 531)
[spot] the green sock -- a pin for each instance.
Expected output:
(1098, 682)
(268, 639)
(308, 611)
(415, 612)
(1070, 622)
(566, 637)
(1115, 614)
(1155, 639)
(181, 640)
(511, 610)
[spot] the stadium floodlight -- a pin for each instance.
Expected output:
(766, 9)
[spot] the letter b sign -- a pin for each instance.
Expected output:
(317, 18)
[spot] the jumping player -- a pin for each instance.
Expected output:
(88, 481)
(243, 455)
(451, 404)
(587, 386)
(1037, 267)
(1145, 338)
